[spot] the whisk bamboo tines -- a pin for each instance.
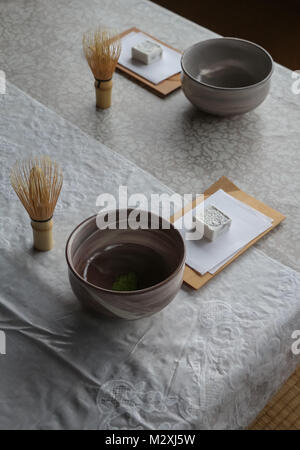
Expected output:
(37, 182)
(102, 48)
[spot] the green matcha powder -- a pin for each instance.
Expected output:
(126, 282)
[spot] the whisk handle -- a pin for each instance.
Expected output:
(42, 235)
(103, 93)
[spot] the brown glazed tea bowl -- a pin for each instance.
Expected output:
(226, 76)
(100, 259)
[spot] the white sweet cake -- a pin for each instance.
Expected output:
(214, 222)
(146, 52)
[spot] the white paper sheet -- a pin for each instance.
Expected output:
(156, 72)
(247, 223)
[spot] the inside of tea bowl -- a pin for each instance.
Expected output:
(108, 264)
(227, 63)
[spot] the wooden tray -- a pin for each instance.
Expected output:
(193, 278)
(163, 88)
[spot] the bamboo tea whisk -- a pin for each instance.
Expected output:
(37, 182)
(102, 48)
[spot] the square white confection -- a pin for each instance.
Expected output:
(214, 222)
(146, 52)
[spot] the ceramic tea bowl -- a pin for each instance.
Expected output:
(102, 260)
(226, 76)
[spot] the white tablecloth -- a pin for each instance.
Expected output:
(211, 359)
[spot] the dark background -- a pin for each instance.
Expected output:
(274, 24)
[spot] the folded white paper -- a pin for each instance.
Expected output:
(247, 223)
(168, 65)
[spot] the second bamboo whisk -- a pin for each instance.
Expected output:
(102, 48)
(37, 182)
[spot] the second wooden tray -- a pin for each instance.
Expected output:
(163, 88)
(195, 279)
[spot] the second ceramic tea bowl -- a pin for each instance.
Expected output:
(226, 76)
(98, 257)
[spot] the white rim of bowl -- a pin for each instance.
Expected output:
(211, 86)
